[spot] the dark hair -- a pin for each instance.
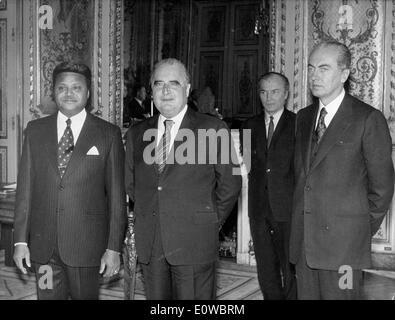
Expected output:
(75, 68)
(267, 75)
(137, 87)
(344, 54)
(171, 61)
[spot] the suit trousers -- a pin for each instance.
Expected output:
(58, 281)
(164, 281)
(316, 284)
(276, 275)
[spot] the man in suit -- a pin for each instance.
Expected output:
(270, 187)
(344, 181)
(70, 204)
(178, 206)
(135, 108)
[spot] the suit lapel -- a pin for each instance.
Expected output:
(306, 126)
(188, 122)
(87, 138)
(151, 123)
(260, 133)
(279, 128)
(50, 136)
(335, 130)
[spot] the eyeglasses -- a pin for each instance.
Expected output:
(172, 85)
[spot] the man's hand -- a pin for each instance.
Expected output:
(110, 262)
(21, 252)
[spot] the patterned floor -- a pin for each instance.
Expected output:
(232, 284)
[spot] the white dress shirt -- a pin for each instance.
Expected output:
(331, 109)
(276, 118)
(77, 121)
(174, 129)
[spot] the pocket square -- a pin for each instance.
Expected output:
(93, 152)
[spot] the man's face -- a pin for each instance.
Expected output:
(141, 94)
(326, 78)
(170, 90)
(71, 93)
(272, 93)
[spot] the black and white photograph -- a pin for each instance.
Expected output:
(222, 151)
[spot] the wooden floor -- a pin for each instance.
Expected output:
(234, 282)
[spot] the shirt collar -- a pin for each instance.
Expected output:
(77, 118)
(177, 119)
(334, 105)
(276, 116)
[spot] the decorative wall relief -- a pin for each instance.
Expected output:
(71, 39)
(245, 24)
(213, 26)
(359, 25)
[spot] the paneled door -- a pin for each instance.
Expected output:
(229, 56)
(10, 91)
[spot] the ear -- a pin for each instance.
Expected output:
(345, 75)
(188, 89)
(89, 93)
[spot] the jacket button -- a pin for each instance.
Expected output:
(326, 228)
(308, 188)
(154, 213)
(160, 188)
(268, 170)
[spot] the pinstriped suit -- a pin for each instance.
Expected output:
(82, 214)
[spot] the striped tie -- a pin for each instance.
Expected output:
(164, 144)
(65, 148)
(321, 127)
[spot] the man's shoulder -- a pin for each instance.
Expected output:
(207, 121)
(104, 124)
(41, 123)
(254, 121)
(358, 105)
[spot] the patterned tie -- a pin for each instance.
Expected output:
(321, 127)
(163, 147)
(270, 132)
(65, 148)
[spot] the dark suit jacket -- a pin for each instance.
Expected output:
(133, 109)
(84, 212)
(271, 170)
(341, 197)
(190, 200)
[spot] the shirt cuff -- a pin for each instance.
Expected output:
(18, 243)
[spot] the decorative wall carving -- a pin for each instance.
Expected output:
(213, 26)
(71, 39)
(364, 36)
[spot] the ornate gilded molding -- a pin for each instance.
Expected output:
(296, 79)
(3, 79)
(99, 111)
(111, 65)
(391, 117)
(33, 110)
(273, 22)
(282, 35)
(115, 112)
(118, 63)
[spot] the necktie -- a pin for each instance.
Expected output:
(164, 144)
(321, 127)
(65, 148)
(270, 132)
